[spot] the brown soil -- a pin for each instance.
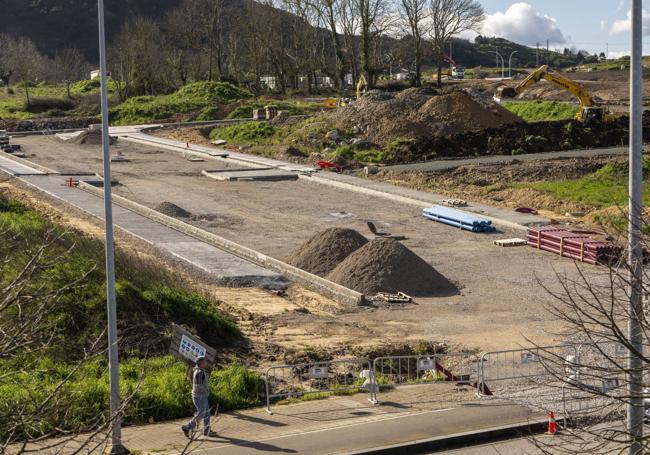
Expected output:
(385, 265)
(92, 138)
(420, 112)
(170, 209)
(326, 249)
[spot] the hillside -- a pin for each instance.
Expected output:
(59, 24)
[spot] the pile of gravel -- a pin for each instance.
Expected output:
(325, 250)
(170, 209)
(385, 265)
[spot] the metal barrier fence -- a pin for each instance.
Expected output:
(392, 371)
(334, 376)
(577, 378)
(530, 364)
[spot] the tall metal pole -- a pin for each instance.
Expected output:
(113, 367)
(635, 411)
(510, 63)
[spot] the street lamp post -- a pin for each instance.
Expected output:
(510, 63)
(635, 411)
(503, 65)
(113, 367)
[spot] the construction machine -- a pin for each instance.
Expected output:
(587, 111)
(331, 103)
(455, 71)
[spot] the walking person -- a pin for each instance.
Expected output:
(200, 397)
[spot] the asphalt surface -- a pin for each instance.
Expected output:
(366, 435)
(441, 165)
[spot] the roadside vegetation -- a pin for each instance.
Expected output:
(53, 370)
(541, 110)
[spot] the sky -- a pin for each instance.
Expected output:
(585, 24)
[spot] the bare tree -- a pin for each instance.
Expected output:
(373, 16)
(449, 18)
(414, 14)
(27, 63)
(591, 385)
(69, 65)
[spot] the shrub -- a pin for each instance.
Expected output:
(191, 97)
(40, 105)
(250, 132)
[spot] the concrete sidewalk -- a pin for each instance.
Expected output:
(226, 268)
(338, 424)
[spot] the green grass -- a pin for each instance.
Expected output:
(540, 110)
(189, 98)
(604, 188)
(158, 389)
(249, 133)
(148, 301)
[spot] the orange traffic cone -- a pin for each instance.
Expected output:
(552, 424)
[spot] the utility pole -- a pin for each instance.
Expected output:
(606, 51)
(113, 367)
(510, 63)
(548, 55)
(537, 56)
(635, 408)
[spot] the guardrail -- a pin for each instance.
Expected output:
(328, 377)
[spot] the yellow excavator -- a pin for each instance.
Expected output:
(587, 111)
(332, 103)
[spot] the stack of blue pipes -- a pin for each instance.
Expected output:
(457, 218)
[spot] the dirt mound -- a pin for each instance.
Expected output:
(170, 209)
(420, 112)
(325, 250)
(92, 137)
(385, 265)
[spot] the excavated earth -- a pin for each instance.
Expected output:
(326, 249)
(385, 265)
(419, 112)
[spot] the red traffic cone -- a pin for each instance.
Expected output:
(552, 424)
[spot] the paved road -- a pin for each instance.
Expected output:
(361, 436)
(441, 165)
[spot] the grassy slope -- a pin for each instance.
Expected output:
(603, 188)
(540, 110)
(147, 302)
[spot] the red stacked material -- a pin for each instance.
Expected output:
(575, 245)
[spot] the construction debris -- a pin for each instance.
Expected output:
(455, 202)
(171, 209)
(419, 112)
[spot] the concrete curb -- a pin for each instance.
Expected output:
(325, 287)
(458, 440)
(404, 199)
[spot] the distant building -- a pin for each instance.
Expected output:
(269, 82)
(94, 74)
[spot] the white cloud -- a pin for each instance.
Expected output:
(603, 26)
(523, 24)
(624, 25)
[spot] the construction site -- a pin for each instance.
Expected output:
(401, 225)
(354, 235)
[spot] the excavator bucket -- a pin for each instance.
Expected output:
(505, 92)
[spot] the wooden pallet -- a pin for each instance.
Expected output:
(510, 242)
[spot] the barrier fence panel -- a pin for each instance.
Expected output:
(335, 376)
(391, 371)
(579, 405)
(527, 366)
